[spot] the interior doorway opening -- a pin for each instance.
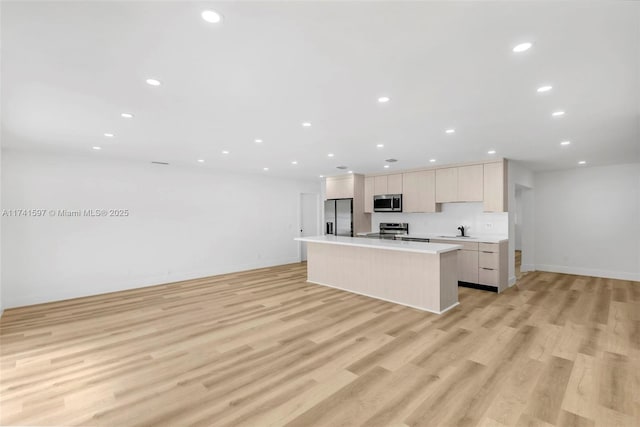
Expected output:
(523, 229)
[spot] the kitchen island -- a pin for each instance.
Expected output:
(415, 274)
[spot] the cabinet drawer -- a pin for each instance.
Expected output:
(488, 276)
(489, 259)
(490, 247)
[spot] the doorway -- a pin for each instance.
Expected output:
(523, 230)
(309, 219)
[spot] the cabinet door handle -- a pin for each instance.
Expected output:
(488, 252)
(485, 268)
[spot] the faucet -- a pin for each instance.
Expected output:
(461, 228)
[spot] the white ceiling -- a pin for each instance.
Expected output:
(70, 68)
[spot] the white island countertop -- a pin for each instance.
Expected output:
(393, 245)
(482, 238)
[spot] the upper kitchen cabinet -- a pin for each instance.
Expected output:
(419, 191)
(460, 184)
(495, 184)
(368, 194)
(394, 184)
(446, 185)
(387, 184)
(340, 187)
(470, 182)
(380, 184)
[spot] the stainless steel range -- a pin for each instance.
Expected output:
(389, 230)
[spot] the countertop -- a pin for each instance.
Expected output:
(392, 245)
(483, 238)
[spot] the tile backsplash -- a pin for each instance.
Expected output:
(475, 221)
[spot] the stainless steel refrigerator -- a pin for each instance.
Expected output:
(338, 217)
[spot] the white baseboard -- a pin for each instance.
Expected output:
(607, 274)
(139, 282)
(512, 281)
(527, 267)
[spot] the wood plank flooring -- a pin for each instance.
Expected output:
(263, 348)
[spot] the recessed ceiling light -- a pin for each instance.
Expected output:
(330, 155)
(384, 99)
(450, 131)
(306, 124)
(544, 89)
(258, 141)
(432, 160)
(522, 47)
(265, 169)
(321, 176)
(225, 152)
(153, 82)
(200, 160)
(491, 152)
(211, 16)
(109, 135)
(582, 162)
(380, 145)
(294, 162)
(350, 171)
(557, 113)
(386, 166)
(97, 148)
(565, 143)
(127, 115)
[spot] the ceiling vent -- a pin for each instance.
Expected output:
(160, 163)
(342, 167)
(391, 160)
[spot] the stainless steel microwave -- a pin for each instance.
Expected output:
(387, 203)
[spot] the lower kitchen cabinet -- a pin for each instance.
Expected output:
(483, 264)
(468, 266)
(493, 264)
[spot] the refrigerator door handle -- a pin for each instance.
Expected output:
(329, 228)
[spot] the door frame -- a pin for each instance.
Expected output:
(319, 218)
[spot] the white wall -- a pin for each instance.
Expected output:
(448, 220)
(184, 223)
(1, 207)
(588, 221)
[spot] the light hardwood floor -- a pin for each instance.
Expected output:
(264, 348)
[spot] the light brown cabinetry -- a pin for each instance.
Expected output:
(394, 184)
(467, 259)
(418, 191)
(380, 185)
(482, 263)
(492, 263)
(387, 184)
(461, 184)
(470, 183)
(495, 183)
(340, 187)
(368, 194)
(446, 185)
(481, 182)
